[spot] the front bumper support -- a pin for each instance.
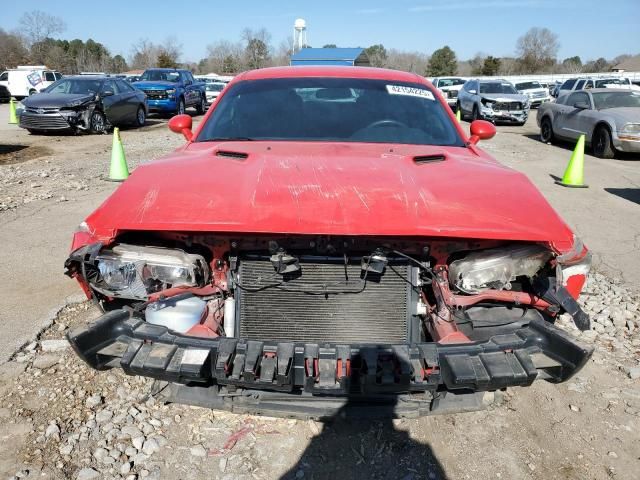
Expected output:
(538, 350)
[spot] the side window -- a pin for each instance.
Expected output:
(187, 77)
(579, 84)
(110, 85)
(49, 77)
(568, 85)
(124, 87)
(4, 76)
(589, 84)
(58, 75)
(577, 97)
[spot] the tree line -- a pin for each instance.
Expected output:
(35, 42)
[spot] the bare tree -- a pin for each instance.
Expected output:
(12, 50)
(171, 50)
(144, 54)
(38, 25)
(223, 57)
(537, 50)
(415, 62)
(257, 47)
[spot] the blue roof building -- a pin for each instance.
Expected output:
(330, 56)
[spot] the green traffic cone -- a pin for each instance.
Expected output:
(574, 174)
(458, 115)
(13, 118)
(118, 170)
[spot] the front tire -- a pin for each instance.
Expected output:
(181, 108)
(476, 113)
(202, 106)
(98, 123)
(141, 117)
(601, 143)
(546, 131)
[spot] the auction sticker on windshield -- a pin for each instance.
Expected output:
(409, 91)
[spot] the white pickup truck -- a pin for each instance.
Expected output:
(449, 86)
(535, 91)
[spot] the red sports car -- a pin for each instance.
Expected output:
(330, 237)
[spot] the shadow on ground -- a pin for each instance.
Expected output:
(359, 448)
(631, 194)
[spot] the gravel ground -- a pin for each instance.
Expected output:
(61, 419)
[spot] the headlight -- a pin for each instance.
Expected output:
(631, 129)
(130, 271)
(171, 91)
(496, 268)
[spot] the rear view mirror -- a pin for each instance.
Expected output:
(582, 105)
(182, 124)
(481, 130)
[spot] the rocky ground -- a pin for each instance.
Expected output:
(61, 419)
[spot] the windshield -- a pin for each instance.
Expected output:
(611, 81)
(450, 82)
(160, 75)
(214, 87)
(75, 86)
(604, 100)
(495, 87)
(528, 85)
(331, 109)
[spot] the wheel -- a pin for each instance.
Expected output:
(202, 106)
(180, 109)
(546, 131)
(601, 143)
(98, 123)
(32, 91)
(476, 113)
(141, 117)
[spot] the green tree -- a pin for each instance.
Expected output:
(230, 64)
(377, 55)
(257, 53)
(491, 66)
(165, 60)
(599, 65)
(443, 62)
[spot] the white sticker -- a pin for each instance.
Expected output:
(194, 356)
(410, 91)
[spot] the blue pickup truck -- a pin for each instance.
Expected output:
(170, 90)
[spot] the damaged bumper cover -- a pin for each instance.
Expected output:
(119, 339)
(56, 119)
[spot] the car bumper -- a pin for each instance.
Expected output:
(165, 105)
(49, 121)
(536, 102)
(519, 116)
(296, 370)
(627, 143)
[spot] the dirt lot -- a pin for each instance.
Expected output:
(62, 420)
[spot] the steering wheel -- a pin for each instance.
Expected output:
(386, 123)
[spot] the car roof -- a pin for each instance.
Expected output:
(606, 90)
(330, 71)
(88, 77)
(493, 80)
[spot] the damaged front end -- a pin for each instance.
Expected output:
(76, 117)
(303, 326)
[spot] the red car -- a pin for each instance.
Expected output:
(328, 238)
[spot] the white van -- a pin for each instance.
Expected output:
(28, 79)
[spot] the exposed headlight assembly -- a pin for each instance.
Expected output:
(496, 268)
(631, 129)
(171, 91)
(134, 272)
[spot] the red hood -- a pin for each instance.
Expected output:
(336, 189)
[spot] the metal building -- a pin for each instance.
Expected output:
(330, 56)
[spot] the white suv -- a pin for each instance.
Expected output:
(535, 91)
(27, 80)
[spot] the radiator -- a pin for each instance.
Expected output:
(378, 314)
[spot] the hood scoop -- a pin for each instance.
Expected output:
(232, 154)
(438, 157)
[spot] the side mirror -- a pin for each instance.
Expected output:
(107, 93)
(473, 91)
(481, 130)
(188, 82)
(182, 124)
(582, 105)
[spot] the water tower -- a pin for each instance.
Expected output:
(299, 35)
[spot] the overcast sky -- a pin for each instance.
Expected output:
(589, 28)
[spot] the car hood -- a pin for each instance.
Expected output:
(159, 84)
(504, 97)
(57, 100)
(331, 189)
(622, 115)
(534, 90)
(452, 87)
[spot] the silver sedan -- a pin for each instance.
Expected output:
(608, 118)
